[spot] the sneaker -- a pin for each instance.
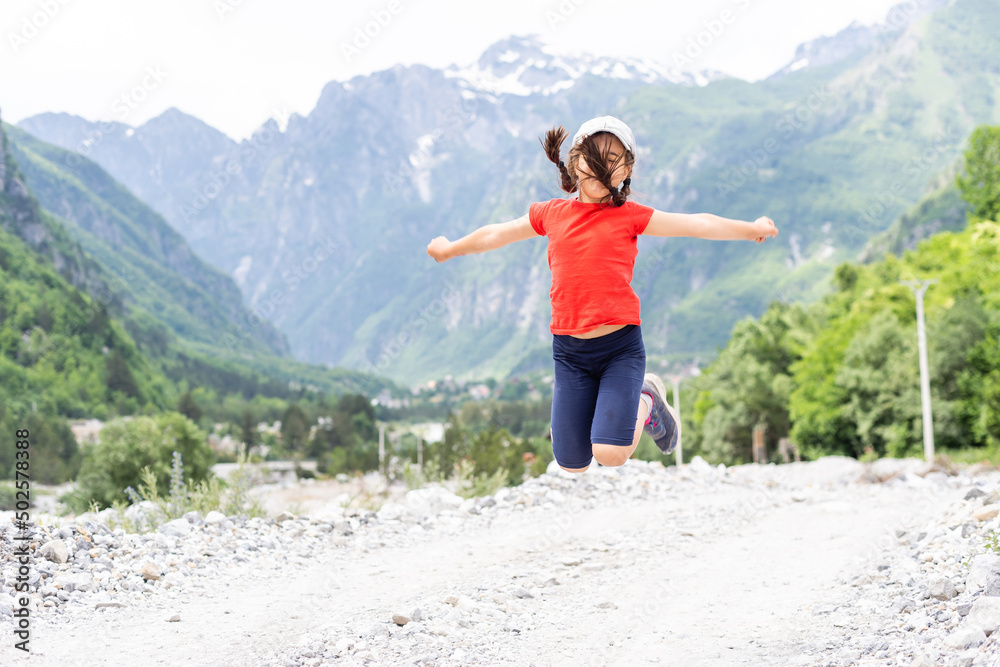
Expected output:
(663, 425)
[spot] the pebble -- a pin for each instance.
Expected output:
(923, 599)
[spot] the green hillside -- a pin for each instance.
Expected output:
(151, 263)
(841, 375)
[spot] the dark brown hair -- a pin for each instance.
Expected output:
(596, 159)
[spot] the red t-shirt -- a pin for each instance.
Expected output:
(592, 250)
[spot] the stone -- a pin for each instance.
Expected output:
(992, 586)
(55, 551)
(400, 619)
(175, 528)
(431, 500)
(963, 608)
(699, 465)
(194, 517)
(922, 661)
(974, 493)
(981, 567)
(214, 517)
(173, 619)
(79, 581)
(986, 512)
(942, 589)
(985, 614)
(968, 529)
(965, 638)
(522, 593)
(284, 516)
(393, 512)
(150, 572)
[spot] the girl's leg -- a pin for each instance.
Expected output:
(616, 455)
(574, 397)
(620, 413)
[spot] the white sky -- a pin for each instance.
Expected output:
(234, 63)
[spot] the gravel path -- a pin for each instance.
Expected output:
(804, 564)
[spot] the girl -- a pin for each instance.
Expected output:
(602, 398)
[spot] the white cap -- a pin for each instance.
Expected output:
(607, 124)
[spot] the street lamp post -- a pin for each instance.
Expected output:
(919, 287)
(689, 372)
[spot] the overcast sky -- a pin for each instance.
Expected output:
(234, 63)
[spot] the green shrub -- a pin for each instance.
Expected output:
(126, 447)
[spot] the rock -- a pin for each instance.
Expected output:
(974, 493)
(150, 572)
(965, 638)
(986, 512)
(992, 585)
(432, 500)
(522, 593)
(968, 529)
(214, 517)
(963, 608)
(942, 589)
(981, 567)
(284, 516)
(985, 614)
(400, 619)
(174, 618)
(102, 605)
(175, 528)
(922, 661)
(699, 465)
(379, 630)
(79, 581)
(392, 512)
(55, 551)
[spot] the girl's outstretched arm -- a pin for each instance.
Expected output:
(484, 239)
(711, 227)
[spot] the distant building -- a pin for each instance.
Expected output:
(86, 431)
(224, 445)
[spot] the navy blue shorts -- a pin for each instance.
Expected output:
(595, 396)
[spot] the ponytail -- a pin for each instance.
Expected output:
(553, 142)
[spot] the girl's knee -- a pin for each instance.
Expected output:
(612, 455)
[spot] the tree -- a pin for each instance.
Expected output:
(125, 447)
(294, 429)
(980, 182)
(119, 375)
(188, 407)
(248, 428)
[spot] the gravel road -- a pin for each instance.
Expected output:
(801, 564)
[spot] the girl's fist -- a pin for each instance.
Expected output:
(764, 229)
(438, 248)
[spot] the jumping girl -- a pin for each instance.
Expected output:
(602, 398)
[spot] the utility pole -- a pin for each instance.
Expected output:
(919, 287)
(677, 409)
(381, 447)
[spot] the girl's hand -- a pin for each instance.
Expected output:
(763, 229)
(438, 248)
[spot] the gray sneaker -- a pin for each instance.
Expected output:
(663, 426)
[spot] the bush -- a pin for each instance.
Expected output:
(126, 447)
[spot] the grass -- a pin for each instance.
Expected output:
(231, 498)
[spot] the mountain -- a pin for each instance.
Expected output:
(323, 225)
(152, 264)
(76, 339)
